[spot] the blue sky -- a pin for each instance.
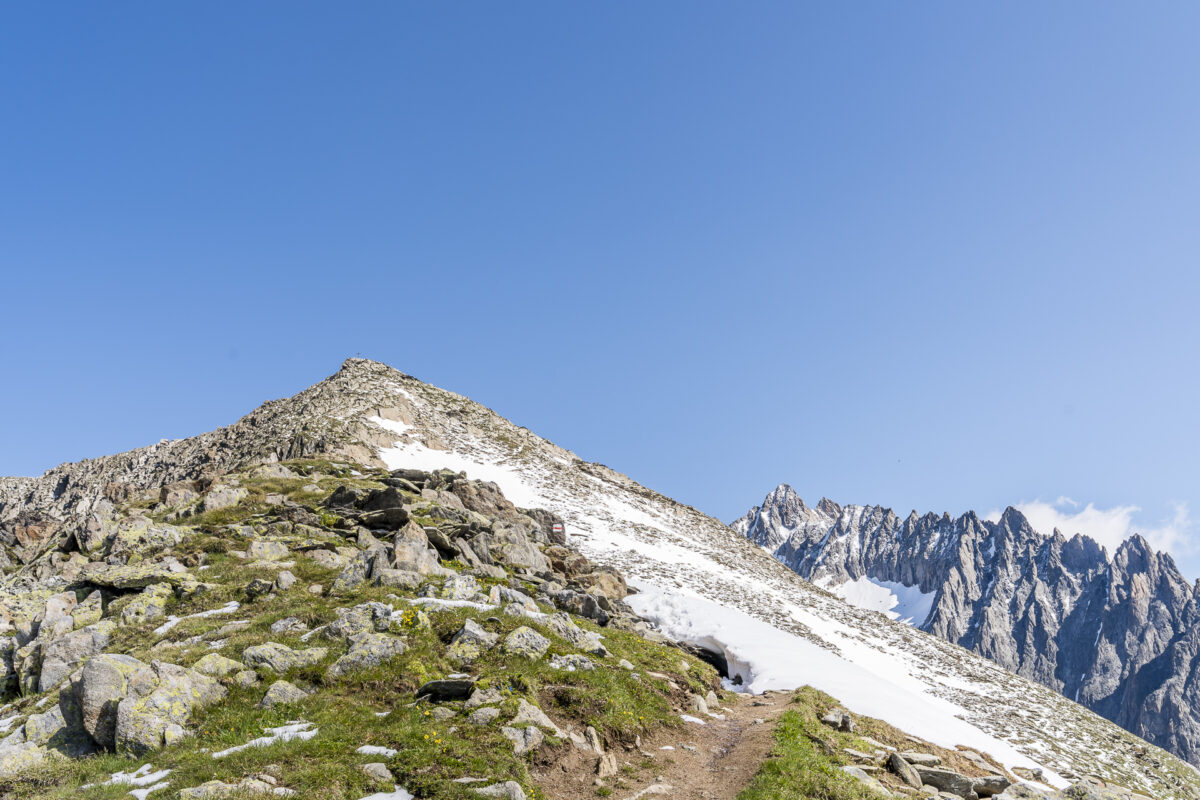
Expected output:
(937, 256)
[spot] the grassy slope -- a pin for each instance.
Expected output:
(617, 702)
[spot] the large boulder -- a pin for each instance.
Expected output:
(123, 702)
(157, 719)
(105, 680)
(510, 544)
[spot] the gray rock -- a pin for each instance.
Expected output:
(281, 692)
(281, 658)
(572, 662)
(288, 625)
(223, 496)
(470, 642)
(217, 665)
(904, 771)
(524, 739)
(529, 713)
(65, 654)
(946, 780)
(867, 780)
(509, 790)
(483, 716)
(267, 550)
(378, 772)
(367, 650)
(483, 697)
(526, 642)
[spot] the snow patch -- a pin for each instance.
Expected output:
(293, 730)
(376, 750)
(767, 658)
(228, 608)
(907, 604)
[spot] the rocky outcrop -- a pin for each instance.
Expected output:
(1119, 635)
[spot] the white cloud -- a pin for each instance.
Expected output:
(1108, 526)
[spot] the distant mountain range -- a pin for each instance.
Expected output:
(1117, 633)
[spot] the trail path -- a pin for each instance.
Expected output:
(713, 761)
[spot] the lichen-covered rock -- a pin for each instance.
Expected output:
(217, 665)
(289, 625)
(267, 550)
(105, 680)
(483, 716)
(363, 618)
(484, 697)
(62, 656)
(281, 658)
(572, 662)
(88, 612)
(863, 777)
(529, 713)
(151, 604)
(524, 739)
(41, 728)
(367, 650)
(132, 576)
(139, 537)
(157, 719)
(527, 642)
(459, 587)
(223, 496)
(281, 692)
(587, 641)
(509, 790)
(470, 642)
(20, 757)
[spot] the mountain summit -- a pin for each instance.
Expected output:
(1118, 635)
(378, 489)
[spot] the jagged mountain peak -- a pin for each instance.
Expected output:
(1053, 609)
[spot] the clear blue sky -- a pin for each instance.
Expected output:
(933, 255)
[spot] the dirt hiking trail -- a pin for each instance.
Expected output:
(713, 761)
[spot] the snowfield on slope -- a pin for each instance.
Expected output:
(701, 582)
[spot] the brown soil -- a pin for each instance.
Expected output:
(727, 753)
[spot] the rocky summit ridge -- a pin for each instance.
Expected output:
(1118, 633)
(378, 585)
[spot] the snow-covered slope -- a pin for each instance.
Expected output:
(705, 583)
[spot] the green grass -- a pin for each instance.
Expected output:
(805, 760)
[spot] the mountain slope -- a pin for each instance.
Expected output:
(1119, 636)
(699, 580)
